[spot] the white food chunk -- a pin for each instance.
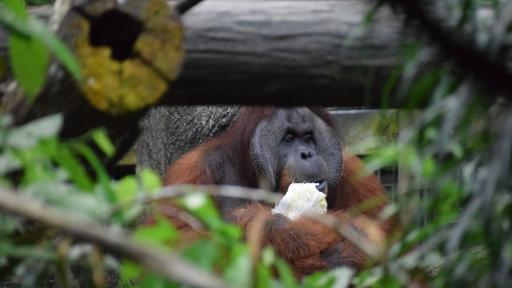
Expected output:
(301, 199)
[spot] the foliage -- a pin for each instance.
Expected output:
(455, 201)
(29, 45)
(39, 165)
(455, 196)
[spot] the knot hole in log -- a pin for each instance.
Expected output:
(115, 29)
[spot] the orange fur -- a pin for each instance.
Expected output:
(306, 244)
(187, 169)
(357, 187)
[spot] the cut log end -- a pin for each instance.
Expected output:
(127, 59)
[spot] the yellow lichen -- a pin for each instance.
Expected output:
(118, 87)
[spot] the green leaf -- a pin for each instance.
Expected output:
(268, 256)
(286, 274)
(153, 281)
(368, 278)
(429, 166)
(342, 275)
(126, 189)
(456, 149)
(101, 139)
(370, 14)
(319, 280)
(129, 271)
(159, 233)
(29, 59)
(263, 276)
(264, 269)
(194, 201)
(229, 233)
(66, 196)
(150, 180)
(59, 49)
(238, 272)
(204, 253)
(422, 87)
(67, 160)
(8, 163)
(17, 7)
(390, 84)
(96, 164)
(384, 157)
(34, 28)
(29, 134)
(203, 207)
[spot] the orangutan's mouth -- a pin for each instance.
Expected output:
(322, 186)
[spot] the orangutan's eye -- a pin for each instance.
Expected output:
(308, 136)
(288, 137)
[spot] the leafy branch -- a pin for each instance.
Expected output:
(111, 239)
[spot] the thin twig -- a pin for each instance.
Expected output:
(218, 191)
(60, 9)
(182, 215)
(344, 228)
(213, 190)
(349, 231)
(166, 264)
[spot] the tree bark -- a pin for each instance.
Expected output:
(272, 52)
(285, 53)
(168, 132)
(267, 52)
(129, 53)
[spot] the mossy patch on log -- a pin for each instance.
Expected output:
(119, 80)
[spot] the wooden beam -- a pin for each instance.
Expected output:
(284, 53)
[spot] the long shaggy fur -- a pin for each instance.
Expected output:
(306, 244)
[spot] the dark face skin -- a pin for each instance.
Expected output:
(299, 161)
(295, 145)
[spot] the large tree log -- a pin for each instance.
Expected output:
(263, 51)
(129, 53)
(286, 53)
(268, 52)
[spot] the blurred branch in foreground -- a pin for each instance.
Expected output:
(114, 240)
